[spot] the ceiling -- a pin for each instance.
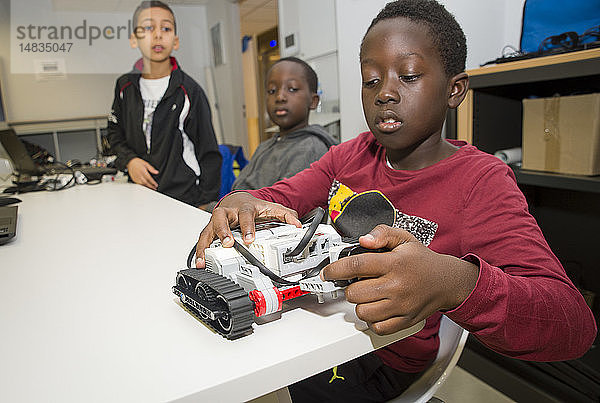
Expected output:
(257, 16)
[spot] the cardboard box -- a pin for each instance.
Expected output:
(562, 134)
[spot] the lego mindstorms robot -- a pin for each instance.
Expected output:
(242, 283)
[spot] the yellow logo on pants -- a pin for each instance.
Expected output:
(335, 375)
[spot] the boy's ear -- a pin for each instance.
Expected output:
(175, 42)
(314, 101)
(133, 41)
(458, 87)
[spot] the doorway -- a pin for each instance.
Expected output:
(260, 49)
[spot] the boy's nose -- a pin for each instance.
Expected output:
(388, 93)
(387, 96)
(281, 96)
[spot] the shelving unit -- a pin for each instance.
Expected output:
(558, 181)
(54, 129)
(567, 208)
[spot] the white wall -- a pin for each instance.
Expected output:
(488, 25)
(314, 24)
(26, 99)
(193, 53)
(513, 17)
(229, 77)
(483, 24)
(353, 17)
(80, 95)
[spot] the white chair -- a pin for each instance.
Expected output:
(452, 342)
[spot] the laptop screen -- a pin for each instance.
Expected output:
(17, 152)
(2, 113)
(3, 117)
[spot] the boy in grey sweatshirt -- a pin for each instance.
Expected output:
(291, 88)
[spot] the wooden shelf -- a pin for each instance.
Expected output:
(24, 127)
(558, 181)
(574, 64)
(54, 127)
(508, 83)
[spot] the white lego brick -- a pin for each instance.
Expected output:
(316, 285)
(250, 278)
(271, 299)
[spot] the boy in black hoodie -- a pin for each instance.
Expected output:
(291, 94)
(160, 125)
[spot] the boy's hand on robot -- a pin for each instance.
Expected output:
(401, 287)
(240, 209)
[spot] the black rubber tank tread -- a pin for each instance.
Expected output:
(239, 306)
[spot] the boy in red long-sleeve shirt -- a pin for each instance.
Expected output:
(462, 242)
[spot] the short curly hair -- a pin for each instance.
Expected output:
(446, 33)
(309, 72)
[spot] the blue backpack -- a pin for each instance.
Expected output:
(233, 162)
(552, 24)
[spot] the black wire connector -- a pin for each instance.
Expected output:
(316, 215)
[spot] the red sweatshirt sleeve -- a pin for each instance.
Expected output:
(523, 305)
(305, 190)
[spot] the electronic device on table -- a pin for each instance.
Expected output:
(26, 166)
(241, 284)
(7, 201)
(8, 223)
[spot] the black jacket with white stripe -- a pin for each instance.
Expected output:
(175, 178)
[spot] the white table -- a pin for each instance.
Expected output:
(87, 313)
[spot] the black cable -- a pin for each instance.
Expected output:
(565, 41)
(250, 258)
(316, 215)
(254, 261)
(317, 269)
(23, 187)
(593, 31)
(71, 179)
(191, 256)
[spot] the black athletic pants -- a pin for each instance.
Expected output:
(364, 379)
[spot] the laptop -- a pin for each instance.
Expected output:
(25, 165)
(8, 223)
(17, 152)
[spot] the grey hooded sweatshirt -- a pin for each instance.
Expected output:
(284, 156)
